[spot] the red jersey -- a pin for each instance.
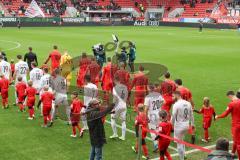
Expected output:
(234, 109)
(165, 128)
(93, 70)
(168, 86)
(4, 84)
(12, 67)
(76, 106)
(47, 99)
(124, 76)
(141, 119)
(107, 78)
(185, 93)
(55, 56)
(140, 82)
(31, 92)
(168, 98)
(83, 64)
(207, 112)
(21, 88)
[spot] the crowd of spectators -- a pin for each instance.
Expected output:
(81, 5)
(193, 3)
(51, 7)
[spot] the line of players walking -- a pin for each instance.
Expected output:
(152, 102)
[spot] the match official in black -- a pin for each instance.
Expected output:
(30, 57)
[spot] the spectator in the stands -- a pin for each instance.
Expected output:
(222, 151)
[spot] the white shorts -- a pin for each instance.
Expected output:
(61, 99)
(180, 131)
(153, 121)
(119, 113)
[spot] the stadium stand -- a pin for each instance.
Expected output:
(192, 8)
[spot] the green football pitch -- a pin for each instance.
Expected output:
(207, 62)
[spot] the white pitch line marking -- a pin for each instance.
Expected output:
(18, 45)
(131, 131)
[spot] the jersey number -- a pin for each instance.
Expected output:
(156, 105)
(23, 70)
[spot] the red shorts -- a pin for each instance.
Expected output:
(21, 98)
(75, 118)
(46, 110)
(30, 102)
(4, 94)
(207, 123)
(163, 145)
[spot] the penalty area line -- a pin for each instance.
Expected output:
(131, 131)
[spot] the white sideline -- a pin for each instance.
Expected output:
(18, 45)
(131, 131)
(191, 151)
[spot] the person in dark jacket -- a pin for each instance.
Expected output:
(30, 57)
(221, 152)
(96, 127)
(132, 56)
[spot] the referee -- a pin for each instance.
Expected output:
(30, 57)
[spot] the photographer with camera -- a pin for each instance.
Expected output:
(99, 54)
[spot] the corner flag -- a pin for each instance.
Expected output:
(34, 10)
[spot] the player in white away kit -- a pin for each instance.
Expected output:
(35, 76)
(153, 102)
(90, 93)
(120, 95)
(21, 70)
(182, 120)
(5, 68)
(45, 80)
(59, 86)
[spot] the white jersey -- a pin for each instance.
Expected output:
(21, 69)
(35, 76)
(90, 92)
(45, 80)
(5, 69)
(153, 101)
(120, 95)
(182, 114)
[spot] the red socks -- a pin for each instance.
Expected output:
(31, 112)
(21, 106)
(145, 150)
(74, 129)
(5, 102)
(206, 135)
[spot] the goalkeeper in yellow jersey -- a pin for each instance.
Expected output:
(66, 66)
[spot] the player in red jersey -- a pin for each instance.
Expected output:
(165, 127)
(46, 99)
(31, 93)
(166, 83)
(108, 77)
(4, 86)
(94, 70)
(208, 112)
(141, 121)
(21, 93)
(76, 107)
(185, 92)
(55, 57)
(234, 109)
(140, 82)
(168, 98)
(83, 64)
